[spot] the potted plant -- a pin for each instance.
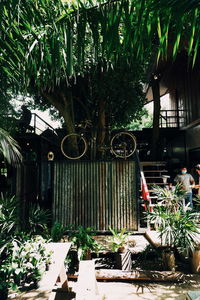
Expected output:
(84, 241)
(177, 224)
(194, 254)
(118, 245)
(117, 241)
(57, 232)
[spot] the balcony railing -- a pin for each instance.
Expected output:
(173, 118)
(37, 124)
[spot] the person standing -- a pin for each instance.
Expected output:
(187, 181)
(25, 119)
(196, 176)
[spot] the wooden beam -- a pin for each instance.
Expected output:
(152, 276)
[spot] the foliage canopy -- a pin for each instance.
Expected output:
(48, 45)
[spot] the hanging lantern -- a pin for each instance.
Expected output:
(50, 156)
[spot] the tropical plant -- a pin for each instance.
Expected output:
(57, 51)
(57, 231)
(11, 225)
(23, 256)
(9, 148)
(146, 121)
(4, 281)
(176, 223)
(65, 59)
(118, 239)
(38, 220)
(27, 261)
(83, 239)
(94, 31)
(9, 221)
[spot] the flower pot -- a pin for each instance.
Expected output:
(195, 261)
(123, 260)
(87, 255)
(168, 259)
(122, 249)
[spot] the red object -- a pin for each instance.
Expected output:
(145, 191)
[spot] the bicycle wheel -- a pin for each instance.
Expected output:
(123, 144)
(79, 148)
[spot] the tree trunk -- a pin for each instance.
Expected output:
(156, 116)
(63, 102)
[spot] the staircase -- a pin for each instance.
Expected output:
(155, 173)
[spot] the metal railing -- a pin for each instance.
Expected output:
(173, 118)
(39, 125)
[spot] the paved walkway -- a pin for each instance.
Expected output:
(142, 291)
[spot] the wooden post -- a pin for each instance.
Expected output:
(156, 115)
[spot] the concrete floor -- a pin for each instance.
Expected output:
(140, 291)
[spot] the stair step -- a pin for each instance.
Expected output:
(161, 177)
(151, 171)
(153, 163)
(157, 183)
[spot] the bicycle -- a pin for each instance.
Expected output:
(122, 144)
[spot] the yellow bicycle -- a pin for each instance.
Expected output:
(122, 144)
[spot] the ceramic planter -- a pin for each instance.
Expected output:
(168, 259)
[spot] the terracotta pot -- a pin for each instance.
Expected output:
(87, 255)
(195, 261)
(121, 249)
(168, 259)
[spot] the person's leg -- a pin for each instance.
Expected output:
(188, 199)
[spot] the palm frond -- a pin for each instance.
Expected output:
(9, 148)
(45, 42)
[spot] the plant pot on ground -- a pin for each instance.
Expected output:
(195, 259)
(168, 259)
(117, 242)
(122, 249)
(118, 245)
(84, 241)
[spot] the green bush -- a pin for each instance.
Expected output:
(23, 257)
(27, 261)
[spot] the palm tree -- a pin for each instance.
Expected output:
(9, 148)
